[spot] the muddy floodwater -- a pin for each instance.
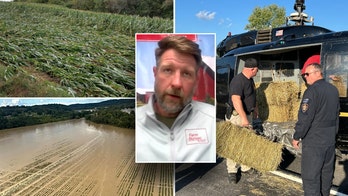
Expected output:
(77, 158)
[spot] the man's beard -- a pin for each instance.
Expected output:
(169, 106)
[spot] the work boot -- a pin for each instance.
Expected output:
(232, 177)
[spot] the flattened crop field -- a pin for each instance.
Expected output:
(52, 51)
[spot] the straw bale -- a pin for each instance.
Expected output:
(341, 84)
(245, 147)
(296, 104)
(278, 101)
(280, 113)
(281, 93)
(303, 87)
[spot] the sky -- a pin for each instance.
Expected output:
(39, 101)
(221, 17)
(145, 59)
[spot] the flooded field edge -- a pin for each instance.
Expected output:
(77, 158)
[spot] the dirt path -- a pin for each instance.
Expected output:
(77, 158)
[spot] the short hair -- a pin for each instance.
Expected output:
(251, 63)
(317, 66)
(182, 45)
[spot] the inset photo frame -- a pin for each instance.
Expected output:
(175, 98)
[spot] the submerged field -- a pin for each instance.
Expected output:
(77, 158)
(54, 51)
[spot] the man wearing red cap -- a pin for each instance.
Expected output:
(313, 59)
(316, 129)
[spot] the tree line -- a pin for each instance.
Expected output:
(18, 116)
(149, 8)
(113, 116)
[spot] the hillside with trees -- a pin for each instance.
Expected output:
(112, 112)
(148, 8)
(53, 51)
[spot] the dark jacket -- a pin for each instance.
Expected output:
(318, 115)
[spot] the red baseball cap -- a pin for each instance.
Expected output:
(313, 59)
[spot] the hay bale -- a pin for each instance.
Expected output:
(245, 147)
(278, 101)
(295, 110)
(340, 82)
(279, 112)
(281, 93)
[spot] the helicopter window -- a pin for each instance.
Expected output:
(231, 44)
(223, 73)
(336, 66)
(336, 72)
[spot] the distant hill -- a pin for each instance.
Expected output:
(121, 103)
(106, 112)
(151, 8)
(117, 103)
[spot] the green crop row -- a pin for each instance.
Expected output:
(57, 51)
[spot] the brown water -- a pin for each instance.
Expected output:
(77, 158)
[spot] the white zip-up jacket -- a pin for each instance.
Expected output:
(192, 137)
